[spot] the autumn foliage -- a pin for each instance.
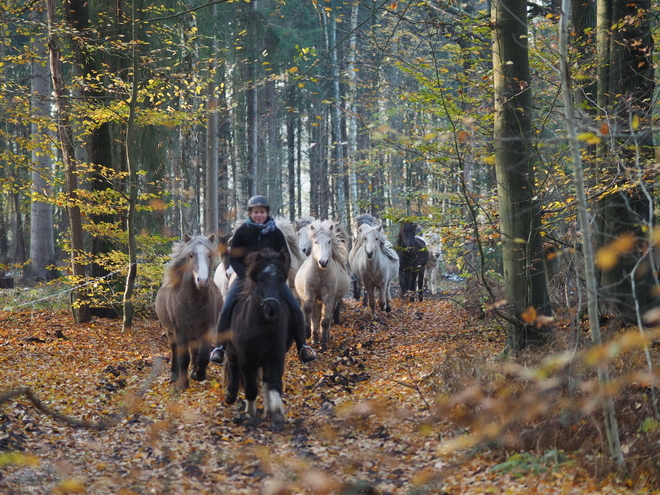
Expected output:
(416, 401)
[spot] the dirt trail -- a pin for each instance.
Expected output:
(358, 420)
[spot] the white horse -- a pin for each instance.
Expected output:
(434, 246)
(376, 263)
(223, 274)
(302, 225)
(323, 280)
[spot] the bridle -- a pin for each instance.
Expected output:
(263, 301)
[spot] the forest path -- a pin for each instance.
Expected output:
(359, 420)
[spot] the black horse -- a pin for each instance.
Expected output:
(413, 256)
(260, 337)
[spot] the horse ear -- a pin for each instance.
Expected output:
(212, 238)
(186, 237)
(284, 257)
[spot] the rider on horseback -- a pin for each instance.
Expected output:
(258, 232)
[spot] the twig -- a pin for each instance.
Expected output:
(76, 423)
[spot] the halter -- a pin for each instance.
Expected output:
(263, 301)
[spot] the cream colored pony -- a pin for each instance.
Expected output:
(323, 279)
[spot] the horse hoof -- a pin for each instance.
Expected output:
(230, 398)
(198, 375)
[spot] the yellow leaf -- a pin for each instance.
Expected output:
(588, 137)
(293, 70)
(529, 315)
(71, 485)
(608, 256)
(635, 122)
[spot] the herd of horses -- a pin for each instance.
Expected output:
(319, 268)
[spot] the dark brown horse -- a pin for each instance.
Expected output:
(188, 304)
(413, 256)
(260, 336)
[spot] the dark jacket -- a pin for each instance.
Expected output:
(249, 238)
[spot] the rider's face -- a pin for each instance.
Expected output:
(258, 214)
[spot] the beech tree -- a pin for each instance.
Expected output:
(514, 162)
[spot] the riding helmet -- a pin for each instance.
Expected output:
(258, 201)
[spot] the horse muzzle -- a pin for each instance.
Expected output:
(323, 264)
(271, 307)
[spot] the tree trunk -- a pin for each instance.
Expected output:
(131, 146)
(189, 160)
(351, 110)
(625, 96)
(252, 97)
(611, 425)
(42, 239)
(211, 191)
(338, 155)
(79, 303)
(519, 212)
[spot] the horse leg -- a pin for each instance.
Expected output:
(372, 299)
(201, 360)
(356, 288)
(193, 344)
(183, 358)
(316, 322)
(174, 364)
(335, 314)
(403, 283)
(272, 391)
(307, 313)
(232, 380)
(382, 300)
(325, 323)
(420, 284)
(250, 376)
(388, 297)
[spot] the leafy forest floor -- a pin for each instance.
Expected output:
(392, 407)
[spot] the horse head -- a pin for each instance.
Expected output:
(304, 242)
(192, 260)
(268, 271)
(322, 237)
(370, 239)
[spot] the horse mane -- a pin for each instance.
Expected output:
(364, 219)
(289, 231)
(179, 256)
(337, 234)
(303, 221)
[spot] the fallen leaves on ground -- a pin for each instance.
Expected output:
(359, 420)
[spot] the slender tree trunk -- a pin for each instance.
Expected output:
(79, 304)
(42, 240)
(291, 162)
(338, 148)
(611, 424)
(352, 157)
(252, 97)
(514, 165)
(211, 195)
(131, 162)
(189, 160)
